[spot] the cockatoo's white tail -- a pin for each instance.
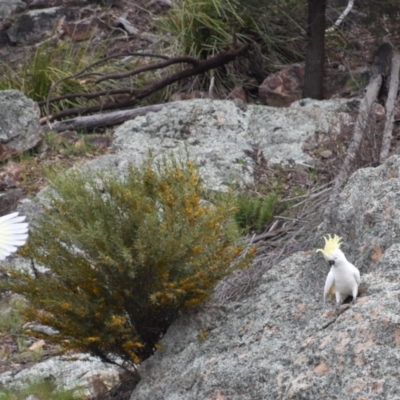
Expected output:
(13, 233)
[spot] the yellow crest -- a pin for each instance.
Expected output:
(331, 244)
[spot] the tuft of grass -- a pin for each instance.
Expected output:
(203, 29)
(47, 65)
(255, 212)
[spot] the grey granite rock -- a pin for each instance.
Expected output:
(367, 214)
(221, 136)
(281, 341)
(19, 124)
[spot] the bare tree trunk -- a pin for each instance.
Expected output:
(315, 53)
(363, 119)
(390, 106)
(379, 69)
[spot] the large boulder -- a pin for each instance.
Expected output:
(281, 341)
(19, 124)
(367, 214)
(222, 137)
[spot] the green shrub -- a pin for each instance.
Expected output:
(127, 256)
(47, 65)
(255, 212)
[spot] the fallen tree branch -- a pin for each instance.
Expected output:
(361, 125)
(132, 95)
(108, 119)
(390, 106)
(111, 92)
(363, 120)
(176, 60)
(82, 74)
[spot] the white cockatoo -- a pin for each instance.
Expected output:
(13, 233)
(343, 278)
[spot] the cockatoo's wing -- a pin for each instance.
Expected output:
(357, 275)
(329, 289)
(13, 233)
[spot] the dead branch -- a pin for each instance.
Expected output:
(362, 120)
(132, 95)
(379, 69)
(108, 119)
(390, 106)
(82, 74)
(176, 60)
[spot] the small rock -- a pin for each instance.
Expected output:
(326, 154)
(37, 345)
(378, 110)
(100, 142)
(282, 88)
(239, 93)
(80, 144)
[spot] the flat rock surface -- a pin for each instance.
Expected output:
(282, 342)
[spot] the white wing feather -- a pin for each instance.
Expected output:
(13, 233)
(328, 283)
(357, 276)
